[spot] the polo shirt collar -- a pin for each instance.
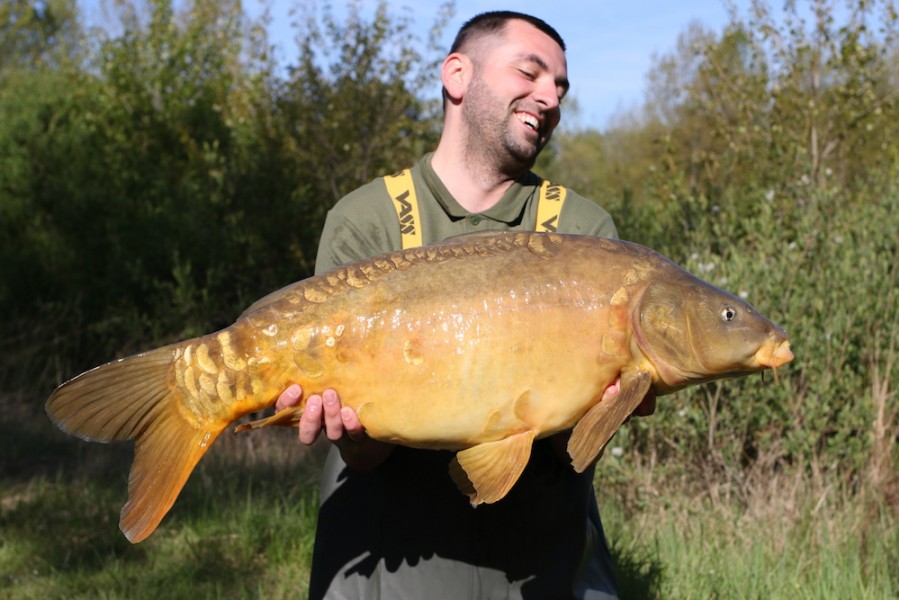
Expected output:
(509, 209)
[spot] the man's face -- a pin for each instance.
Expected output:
(512, 103)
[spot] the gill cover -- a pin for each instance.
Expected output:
(692, 332)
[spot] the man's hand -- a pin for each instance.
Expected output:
(323, 412)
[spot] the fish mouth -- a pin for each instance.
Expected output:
(774, 354)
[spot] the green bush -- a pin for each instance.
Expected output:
(828, 275)
(165, 178)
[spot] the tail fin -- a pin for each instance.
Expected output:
(131, 399)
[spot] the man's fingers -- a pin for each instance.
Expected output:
(289, 397)
(311, 420)
(612, 390)
(323, 412)
(351, 423)
(333, 421)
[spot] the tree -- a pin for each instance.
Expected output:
(36, 34)
(778, 102)
(356, 104)
(155, 188)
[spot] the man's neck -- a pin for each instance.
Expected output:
(475, 184)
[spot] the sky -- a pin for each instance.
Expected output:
(611, 43)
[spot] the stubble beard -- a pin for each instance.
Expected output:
(491, 141)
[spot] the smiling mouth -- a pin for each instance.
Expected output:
(529, 120)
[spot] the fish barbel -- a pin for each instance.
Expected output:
(479, 344)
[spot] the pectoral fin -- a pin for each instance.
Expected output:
(486, 472)
(289, 417)
(601, 422)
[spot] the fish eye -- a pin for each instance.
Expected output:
(728, 313)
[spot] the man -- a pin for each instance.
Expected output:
(392, 524)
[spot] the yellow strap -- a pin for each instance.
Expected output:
(549, 206)
(402, 192)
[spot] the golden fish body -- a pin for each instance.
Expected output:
(479, 344)
(430, 350)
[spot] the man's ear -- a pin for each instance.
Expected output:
(455, 75)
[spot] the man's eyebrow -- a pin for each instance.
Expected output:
(562, 82)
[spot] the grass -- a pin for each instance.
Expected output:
(242, 527)
(788, 538)
(244, 523)
(65, 544)
(718, 556)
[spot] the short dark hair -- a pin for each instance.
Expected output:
(495, 22)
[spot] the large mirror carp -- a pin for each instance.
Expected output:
(479, 344)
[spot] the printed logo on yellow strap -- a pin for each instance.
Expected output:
(402, 193)
(549, 206)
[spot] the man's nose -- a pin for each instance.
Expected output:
(547, 93)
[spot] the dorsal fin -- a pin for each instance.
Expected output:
(367, 270)
(271, 298)
(476, 235)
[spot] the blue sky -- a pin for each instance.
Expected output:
(610, 42)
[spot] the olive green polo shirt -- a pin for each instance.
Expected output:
(403, 530)
(364, 223)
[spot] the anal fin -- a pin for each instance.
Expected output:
(597, 427)
(289, 417)
(486, 472)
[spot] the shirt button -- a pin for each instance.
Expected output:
(474, 220)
